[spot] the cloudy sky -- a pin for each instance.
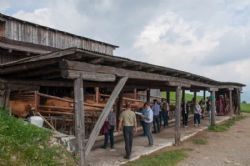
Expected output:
(210, 37)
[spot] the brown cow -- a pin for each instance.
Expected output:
(59, 103)
(20, 108)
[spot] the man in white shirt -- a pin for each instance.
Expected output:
(148, 119)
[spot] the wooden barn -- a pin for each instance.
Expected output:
(73, 81)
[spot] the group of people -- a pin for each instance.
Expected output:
(199, 110)
(160, 116)
(128, 124)
(152, 116)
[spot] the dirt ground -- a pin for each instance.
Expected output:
(227, 148)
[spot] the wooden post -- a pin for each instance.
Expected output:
(37, 101)
(212, 122)
(204, 95)
(7, 98)
(135, 93)
(104, 114)
(195, 96)
(148, 95)
(79, 119)
(183, 95)
(178, 116)
(230, 102)
(238, 101)
(168, 95)
(97, 94)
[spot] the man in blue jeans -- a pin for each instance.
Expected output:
(148, 119)
(110, 133)
(165, 112)
(156, 121)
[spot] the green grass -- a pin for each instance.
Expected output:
(226, 125)
(24, 144)
(245, 108)
(168, 158)
(188, 96)
(200, 141)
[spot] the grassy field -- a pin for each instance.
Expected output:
(225, 125)
(167, 158)
(188, 96)
(245, 108)
(24, 144)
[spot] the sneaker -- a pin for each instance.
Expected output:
(112, 149)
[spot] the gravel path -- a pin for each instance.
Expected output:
(230, 148)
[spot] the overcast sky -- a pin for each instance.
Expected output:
(209, 37)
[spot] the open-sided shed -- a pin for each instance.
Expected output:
(80, 68)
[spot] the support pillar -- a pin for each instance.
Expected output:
(195, 96)
(204, 95)
(135, 93)
(168, 95)
(148, 95)
(97, 94)
(231, 103)
(212, 122)
(79, 120)
(238, 101)
(6, 99)
(183, 96)
(178, 116)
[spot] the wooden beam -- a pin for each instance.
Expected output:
(179, 83)
(38, 72)
(121, 72)
(104, 114)
(97, 61)
(90, 76)
(36, 83)
(25, 67)
(79, 119)
(150, 70)
(178, 116)
(213, 89)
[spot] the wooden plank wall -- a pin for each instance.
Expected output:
(25, 32)
(2, 28)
